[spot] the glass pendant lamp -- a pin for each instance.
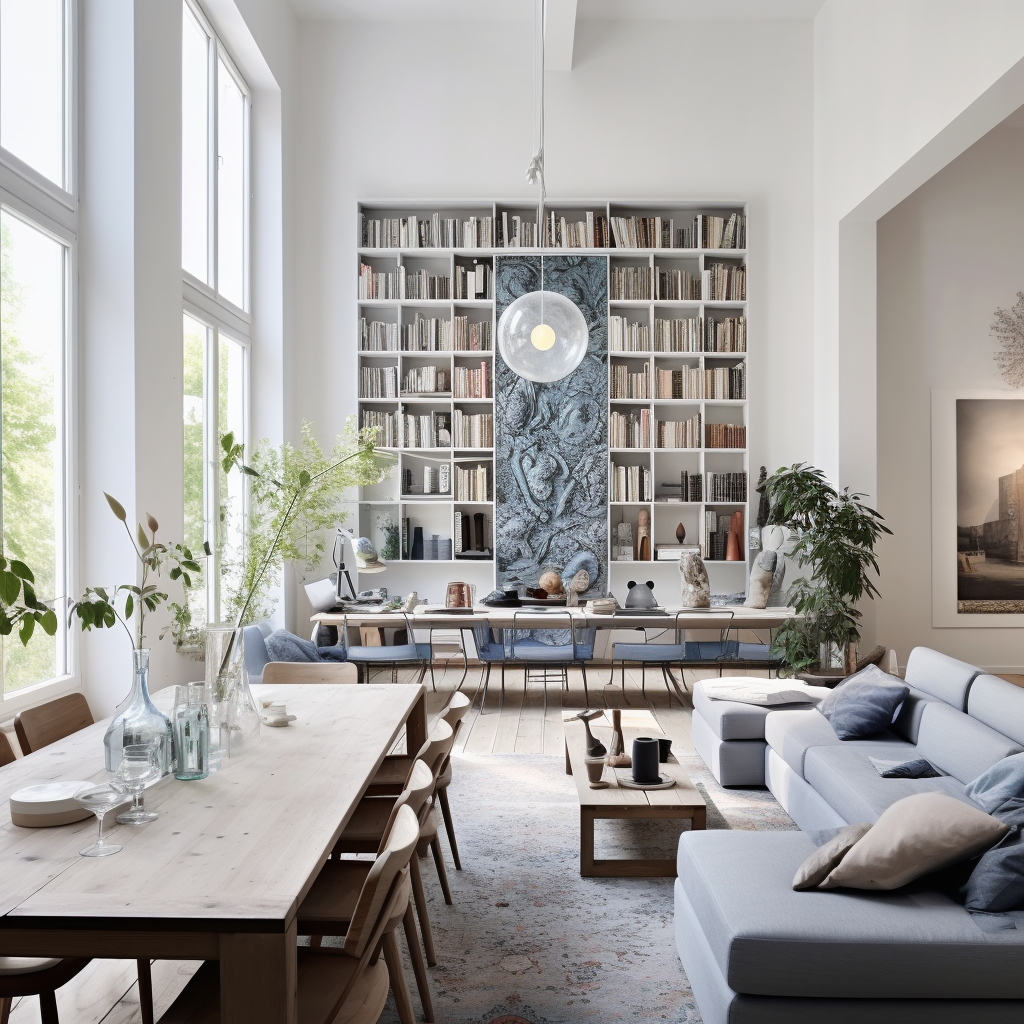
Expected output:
(543, 336)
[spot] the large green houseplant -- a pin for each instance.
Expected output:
(835, 536)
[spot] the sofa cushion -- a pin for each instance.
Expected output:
(847, 779)
(908, 719)
(732, 720)
(957, 744)
(999, 705)
(997, 882)
(769, 940)
(864, 704)
(792, 733)
(940, 676)
(998, 785)
(914, 837)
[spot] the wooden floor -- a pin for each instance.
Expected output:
(523, 723)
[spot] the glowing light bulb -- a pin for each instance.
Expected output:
(542, 337)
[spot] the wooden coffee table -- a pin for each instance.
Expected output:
(683, 800)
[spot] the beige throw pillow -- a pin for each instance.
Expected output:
(916, 835)
(825, 858)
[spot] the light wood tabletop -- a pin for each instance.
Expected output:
(221, 872)
(682, 801)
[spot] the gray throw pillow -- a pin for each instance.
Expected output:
(285, 646)
(996, 885)
(1003, 782)
(919, 768)
(864, 703)
(822, 861)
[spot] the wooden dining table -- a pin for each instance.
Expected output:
(219, 875)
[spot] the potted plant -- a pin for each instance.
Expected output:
(835, 536)
(138, 720)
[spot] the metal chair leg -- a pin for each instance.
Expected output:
(487, 677)
(586, 692)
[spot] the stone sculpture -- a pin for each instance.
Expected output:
(762, 575)
(693, 579)
(579, 584)
(763, 507)
(772, 539)
(643, 536)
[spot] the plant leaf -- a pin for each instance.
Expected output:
(129, 606)
(22, 570)
(227, 441)
(48, 620)
(26, 630)
(143, 539)
(10, 587)
(116, 507)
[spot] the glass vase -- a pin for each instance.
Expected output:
(139, 722)
(234, 722)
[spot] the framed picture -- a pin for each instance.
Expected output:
(977, 502)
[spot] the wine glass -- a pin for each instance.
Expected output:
(99, 800)
(138, 767)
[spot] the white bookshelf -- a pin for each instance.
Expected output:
(436, 512)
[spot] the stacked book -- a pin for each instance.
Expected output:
(678, 335)
(678, 433)
(709, 232)
(428, 334)
(473, 430)
(629, 283)
(624, 384)
(467, 337)
(478, 233)
(726, 382)
(673, 552)
(725, 435)
(517, 233)
(631, 483)
(689, 488)
(686, 382)
(377, 336)
(472, 483)
(425, 380)
(472, 534)
(426, 430)
(626, 337)
(722, 282)
(728, 335)
(473, 282)
(729, 488)
(470, 383)
(589, 233)
(671, 285)
(386, 425)
(629, 430)
(421, 284)
(716, 536)
(642, 232)
(378, 381)
(373, 285)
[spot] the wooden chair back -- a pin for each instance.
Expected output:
(372, 907)
(43, 725)
(439, 742)
(416, 796)
(309, 672)
(6, 750)
(458, 708)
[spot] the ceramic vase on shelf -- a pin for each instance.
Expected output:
(234, 718)
(138, 721)
(417, 544)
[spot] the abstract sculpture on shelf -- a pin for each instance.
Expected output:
(772, 539)
(680, 533)
(762, 574)
(643, 536)
(579, 584)
(763, 506)
(734, 545)
(641, 595)
(693, 579)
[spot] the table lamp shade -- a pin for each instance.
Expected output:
(543, 336)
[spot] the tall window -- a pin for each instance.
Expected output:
(35, 318)
(217, 324)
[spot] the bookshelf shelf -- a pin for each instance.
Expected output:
(704, 252)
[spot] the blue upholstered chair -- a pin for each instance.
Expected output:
(254, 650)
(566, 642)
(491, 650)
(409, 654)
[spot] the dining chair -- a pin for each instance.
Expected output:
(39, 726)
(563, 643)
(409, 654)
(309, 672)
(6, 750)
(491, 649)
(346, 984)
(453, 714)
(42, 976)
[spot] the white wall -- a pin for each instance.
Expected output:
(948, 256)
(660, 110)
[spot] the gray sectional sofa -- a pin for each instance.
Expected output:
(755, 950)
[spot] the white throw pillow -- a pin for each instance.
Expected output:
(752, 690)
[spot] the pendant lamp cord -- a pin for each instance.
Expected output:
(535, 171)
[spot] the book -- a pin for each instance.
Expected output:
(672, 552)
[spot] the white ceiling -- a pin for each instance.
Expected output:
(587, 10)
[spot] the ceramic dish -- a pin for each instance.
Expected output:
(277, 721)
(48, 803)
(627, 781)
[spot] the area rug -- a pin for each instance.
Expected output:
(528, 941)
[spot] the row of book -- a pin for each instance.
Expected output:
(629, 283)
(379, 284)
(421, 284)
(626, 337)
(378, 381)
(675, 285)
(631, 483)
(716, 536)
(726, 487)
(437, 232)
(473, 533)
(376, 336)
(694, 383)
(704, 231)
(629, 430)
(473, 430)
(622, 383)
(425, 380)
(724, 282)
(472, 483)
(689, 488)
(426, 430)
(427, 334)
(471, 383)
(426, 549)
(678, 433)
(679, 335)
(683, 382)
(467, 337)
(516, 232)
(436, 480)
(385, 424)
(694, 334)
(725, 435)
(589, 233)
(474, 282)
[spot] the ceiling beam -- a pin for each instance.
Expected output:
(559, 35)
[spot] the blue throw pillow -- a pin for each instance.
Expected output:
(1003, 782)
(918, 768)
(285, 646)
(996, 885)
(864, 703)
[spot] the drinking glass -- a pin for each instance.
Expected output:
(191, 733)
(99, 800)
(139, 766)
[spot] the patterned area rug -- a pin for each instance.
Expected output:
(530, 942)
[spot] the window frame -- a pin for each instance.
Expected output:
(53, 210)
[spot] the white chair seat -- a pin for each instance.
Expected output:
(13, 965)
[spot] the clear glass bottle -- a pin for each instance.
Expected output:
(139, 721)
(191, 733)
(234, 717)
